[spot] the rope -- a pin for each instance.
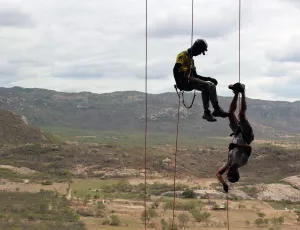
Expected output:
(239, 48)
(176, 144)
(239, 97)
(192, 22)
(188, 107)
(227, 212)
(174, 183)
(146, 116)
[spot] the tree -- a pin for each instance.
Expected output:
(183, 220)
(200, 216)
(259, 222)
(147, 216)
(115, 220)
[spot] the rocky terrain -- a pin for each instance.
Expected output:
(125, 111)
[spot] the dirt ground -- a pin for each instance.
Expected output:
(130, 211)
(31, 187)
(130, 217)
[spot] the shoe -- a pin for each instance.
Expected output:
(237, 87)
(207, 116)
(242, 88)
(219, 112)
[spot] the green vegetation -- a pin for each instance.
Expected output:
(44, 210)
(50, 162)
(118, 188)
(188, 205)
(189, 193)
(129, 138)
(183, 220)
(199, 215)
(11, 175)
(168, 225)
(281, 205)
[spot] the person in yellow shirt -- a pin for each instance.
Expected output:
(187, 79)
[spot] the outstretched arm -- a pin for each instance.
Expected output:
(220, 172)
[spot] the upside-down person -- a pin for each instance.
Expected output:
(187, 82)
(240, 149)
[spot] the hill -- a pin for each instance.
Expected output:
(270, 177)
(125, 111)
(14, 129)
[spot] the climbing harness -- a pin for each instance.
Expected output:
(182, 91)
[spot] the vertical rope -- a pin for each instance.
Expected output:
(192, 22)
(227, 211)
(174, 183)
(239, 49)
(239, 95)
(146, 114)
(176, 149)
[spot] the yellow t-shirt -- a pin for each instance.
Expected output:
(186, 61)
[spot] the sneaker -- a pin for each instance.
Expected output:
(207, 116)
(219, 112)
(237, 87)
(242, 88)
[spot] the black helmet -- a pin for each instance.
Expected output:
(200, 45)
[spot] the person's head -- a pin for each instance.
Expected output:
(233, 174)
(199, 46)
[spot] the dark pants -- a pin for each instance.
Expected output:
(208, 89)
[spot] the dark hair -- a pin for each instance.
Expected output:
(233, 175)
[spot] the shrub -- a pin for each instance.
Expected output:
(115, 220)
(183, 220)
(189, 193)
(47, 182)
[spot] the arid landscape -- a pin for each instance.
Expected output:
(68, 177)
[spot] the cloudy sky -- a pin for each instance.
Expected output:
(99, 45)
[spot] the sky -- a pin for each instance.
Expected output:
(100, 46)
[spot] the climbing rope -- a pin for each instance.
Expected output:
(227, 208)
(177, 128)
(239, 48)
(146, 116)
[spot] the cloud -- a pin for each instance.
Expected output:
(91, 46)
(14, 18)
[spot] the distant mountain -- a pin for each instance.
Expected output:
(126, 111)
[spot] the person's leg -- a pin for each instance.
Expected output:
(245, 125)
(218, 111)
(204, 87)
(242, 112)
(232, 108)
